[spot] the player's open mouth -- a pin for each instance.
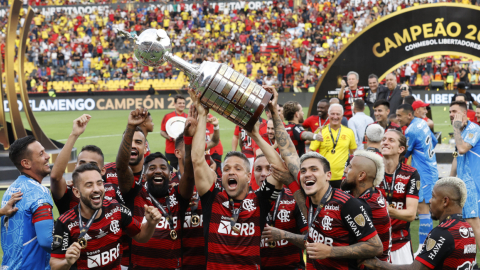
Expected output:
(158, 180)
(133, 154)
(96, 199)
(232, 183)
(310, 183)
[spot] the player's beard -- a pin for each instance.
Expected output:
(136, 161)
(158, 191)
(89, 204)
(346, 186)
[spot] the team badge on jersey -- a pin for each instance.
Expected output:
(360, 220)
(463, 232)
(430, 244)
(418, 185)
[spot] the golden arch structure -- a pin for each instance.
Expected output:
(403, 36)
(17, 128)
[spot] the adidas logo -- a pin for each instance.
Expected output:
(87, 237)
(473, 212)
(226, 204)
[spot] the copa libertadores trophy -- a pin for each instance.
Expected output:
(223, 89)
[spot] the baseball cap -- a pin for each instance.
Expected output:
(418, 103)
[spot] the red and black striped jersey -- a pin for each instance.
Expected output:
(226, 249)
(449, 246)
(69, 200)
(193, 241)
(246, 142)
(161, 252)
(350, 97)
(295, 132)
(104, 236)
(407, 184)
(110, 175)
(391, 126)
(289, 218)
(343, 221)
(376, 207)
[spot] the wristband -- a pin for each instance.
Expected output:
(217, 127)
(187, 140)
(294, 186)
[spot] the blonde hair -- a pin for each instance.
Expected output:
(457, 185)
(378, 164)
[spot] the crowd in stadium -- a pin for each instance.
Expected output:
(275, 45)
(334, 191)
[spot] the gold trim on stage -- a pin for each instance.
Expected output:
(3, 122)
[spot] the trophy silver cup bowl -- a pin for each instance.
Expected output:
(223, 89)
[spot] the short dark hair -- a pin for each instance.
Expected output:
(372, 76)
(154, 156)
(462, 105)
(177, 97)
(461, 95)
(137, 129)
(406, 107)
(240, 155)
(312, 154)
(94, 149)
(19, 150)
(381, 102)
(324, 100)
(281, 105)
(291, 107)
(461, 85)
(179, 140)
(359, 104)
(81, 169)
(409, 100)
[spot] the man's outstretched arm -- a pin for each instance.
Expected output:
(124, 172)
(187, 182)
(58, 186)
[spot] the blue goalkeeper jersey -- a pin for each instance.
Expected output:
(469, 162)
(21, 249)
(421, 144)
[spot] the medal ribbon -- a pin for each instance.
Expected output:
(331, 135)
(320, 206)
(275, 209)
(235, 212)
(84, 230)
(193, 208)
(392, 185)
(166, 213)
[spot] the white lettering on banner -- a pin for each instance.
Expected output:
(48, 105)
(245, 228)
(319, 238)
(103, 258)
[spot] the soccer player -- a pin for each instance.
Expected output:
(268, 136)
(170, 142)
(61, 191)
(381, 111)
(164, 250)
(89, 236)
(353, 236)
(420, 111)
(351, 93)
(293, 113)
(450, 245)
(315, 122)
(233, 217)
(400, 188)
(421, 148)
(466, 160)
(285, 215)
(241, 138)
(26, 236)
(363, 174)
(338, 142)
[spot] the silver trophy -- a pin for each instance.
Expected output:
(223, 89)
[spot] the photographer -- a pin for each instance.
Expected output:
(394, 93)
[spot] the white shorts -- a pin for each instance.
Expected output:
(403, 255)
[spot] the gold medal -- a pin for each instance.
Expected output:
(272, 244)
(455, 154)
(235, 229)
(83, 242)
(333, 151)
(173, 235)
(392, 205)
(195, 220)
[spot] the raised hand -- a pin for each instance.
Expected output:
(272, 234)
(152, 214)
(281, 174)
(255, 131)
(80, 124)
(343, 84)
(9, 209)
(213, 120)
(137, 117)
(272, 104)
(190, 123)
(318, 251)
(73, 253)
(196, 101)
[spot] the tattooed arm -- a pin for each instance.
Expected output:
(458, 125)
(272, 234)
(310, 136)
(282, 175)
(379, 265)
(187, 182)
(124, 172)
(361, 250)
